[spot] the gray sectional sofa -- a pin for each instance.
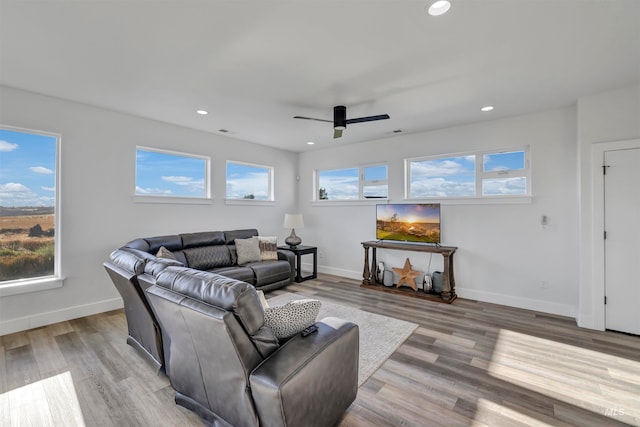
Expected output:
(195, 313)
(211, 251)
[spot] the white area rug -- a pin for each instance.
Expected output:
(380, 335)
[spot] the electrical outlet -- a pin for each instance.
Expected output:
(544, 284)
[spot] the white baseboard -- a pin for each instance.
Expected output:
(349, 274)
(51, 317)
(519, 302)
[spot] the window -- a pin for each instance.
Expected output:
(161, 173)
(29, 248)
(366, 182)
(249, 182)
(481, 174)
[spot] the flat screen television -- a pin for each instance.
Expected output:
(418, 222)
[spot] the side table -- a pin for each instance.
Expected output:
(299, 251)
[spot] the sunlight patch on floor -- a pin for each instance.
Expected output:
(567, 373)
(48, 402)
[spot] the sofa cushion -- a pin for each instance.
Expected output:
(231, 236)
(173, 243)
(268, 247)
(208, 257)
(291, 318)
(270, 271)
(248, 250)
(237, 272)
(204, 238)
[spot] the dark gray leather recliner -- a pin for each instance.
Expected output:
(230, 369)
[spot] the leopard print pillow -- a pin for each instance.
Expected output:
(291, 318)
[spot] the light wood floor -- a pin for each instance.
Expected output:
(468, 363)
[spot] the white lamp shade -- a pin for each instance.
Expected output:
(293, 221)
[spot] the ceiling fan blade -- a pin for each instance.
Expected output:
(337, 133)
(312, 118)
(368, 119)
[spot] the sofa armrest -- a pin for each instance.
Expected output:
(310, 380)
(290, 257)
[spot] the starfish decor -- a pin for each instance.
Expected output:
(407, 275)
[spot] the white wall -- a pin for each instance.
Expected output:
(603, 118)
(98, 213)
(504, 255)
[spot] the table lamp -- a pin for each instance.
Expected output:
(293, 221)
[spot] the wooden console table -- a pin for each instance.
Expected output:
(448, 283)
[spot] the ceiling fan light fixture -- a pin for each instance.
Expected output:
(439, 7)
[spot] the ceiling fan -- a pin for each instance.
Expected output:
(340, 120)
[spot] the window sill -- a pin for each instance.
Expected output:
(359, 202)
(173, 200)
(487, 200)
(25, 286)
(249, 202)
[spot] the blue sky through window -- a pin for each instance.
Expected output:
(450, 177)
(503, 161)
(248, 181)
(27, 169)
(168, 174)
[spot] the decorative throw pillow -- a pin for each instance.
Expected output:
(165, 253)
(248, 250)
(268, 247)
(291, 318)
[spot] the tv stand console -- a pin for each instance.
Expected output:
(448, 283)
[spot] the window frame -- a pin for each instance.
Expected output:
(153, 198)
(56, 280)
(270, 184)
(480, 177)
(362, 183)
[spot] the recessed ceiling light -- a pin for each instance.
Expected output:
(310, 143)
(486, 108)
(439, 7)
(202, 112)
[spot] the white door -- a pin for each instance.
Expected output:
(622, 242)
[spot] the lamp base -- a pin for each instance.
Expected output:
(293, 240)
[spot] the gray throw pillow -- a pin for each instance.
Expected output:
(291, 318)
(165, 253)
(248, 250)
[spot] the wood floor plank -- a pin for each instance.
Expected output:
(467, 364)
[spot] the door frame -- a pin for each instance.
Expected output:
(597, 254)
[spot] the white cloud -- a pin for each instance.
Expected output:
(6, 146)
(434, 168)
(193, 186)
(250, 183)
(152, 191)
(16, 194)
(516, 185)
(41, 169)
(48, 188)
(340, 187)
(441, 187)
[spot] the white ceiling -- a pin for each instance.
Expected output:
(255, 64)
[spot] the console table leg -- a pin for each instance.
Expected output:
(366, 274)
(446, 279)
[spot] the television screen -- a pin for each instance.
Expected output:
(408, 222)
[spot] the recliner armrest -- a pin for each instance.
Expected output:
(310, 380)
(291, 259)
